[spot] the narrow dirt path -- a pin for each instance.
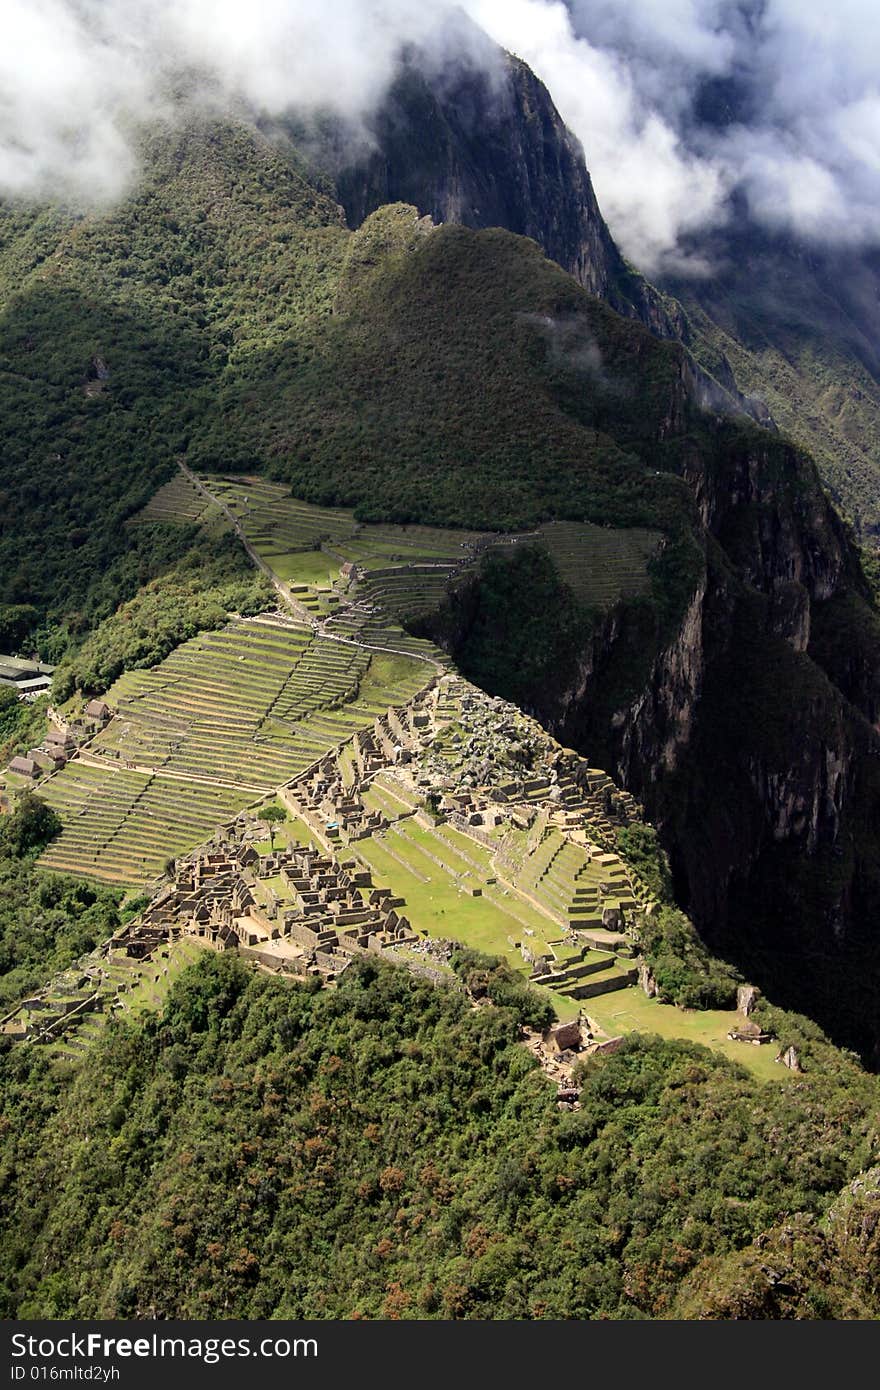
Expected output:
(299, 610)
(114, 764)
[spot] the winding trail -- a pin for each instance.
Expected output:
(85, 755)
(300, 612)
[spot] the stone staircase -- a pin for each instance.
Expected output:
(590, 974)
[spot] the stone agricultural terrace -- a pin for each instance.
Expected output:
(452, 817)
(225, 719)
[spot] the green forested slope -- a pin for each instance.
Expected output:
(113, 328)
(463, 380)
(386, 1150)
(47, 921)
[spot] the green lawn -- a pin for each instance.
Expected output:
(290, 832)
(393, 679)
(301, 566)
(438, 908)
(347, 767)
(275, 883)
(631, 1011)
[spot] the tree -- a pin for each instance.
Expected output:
(274, 815)
(16, 621)
(32, 825)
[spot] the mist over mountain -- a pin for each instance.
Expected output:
(677, 105)
(681, 105)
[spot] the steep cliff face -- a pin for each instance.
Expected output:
(760, 765)
(476, 140)
(746, 730)
(481, 143)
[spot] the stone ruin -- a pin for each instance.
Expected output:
(327, 912)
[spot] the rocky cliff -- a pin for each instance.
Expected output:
(759, 763)
(480, 142)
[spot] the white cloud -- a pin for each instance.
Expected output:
(625, 75)
(652, 190)
(75, 75)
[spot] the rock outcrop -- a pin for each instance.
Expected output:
(478, 141)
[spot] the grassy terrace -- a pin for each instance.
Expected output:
(439, 902)
(120, 826)
(408, 567)
(254, 704)
(599, 564)
(407, 592)
(435, 902)
(435, 873)
(276, 523)
(632, 1012)
(564, 878)
(141, 987)
(178, 501)
(227, 717)
(378, 632)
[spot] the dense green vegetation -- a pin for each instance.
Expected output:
(803, 1268)
(22, 724)
(490, 977)
(46, 921)
(113, 329)
(16, 719)
(212, 579)
(11, 709)
(498, 388)
(685, 971)
(386, 1150)
(514, 627)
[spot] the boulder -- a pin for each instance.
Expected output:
(566, 1037)
(789, 1058)
(647, 981)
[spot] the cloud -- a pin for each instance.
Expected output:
(677, 102)
(76, 76)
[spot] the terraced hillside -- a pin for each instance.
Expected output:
(226, 718)
(451, 888)
(122, 826)
(73, 1010)
(602, 565)
(404, 572)
(373, 629)
(177, 501)
(277, 523)
(234, 713)
(572, 884)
